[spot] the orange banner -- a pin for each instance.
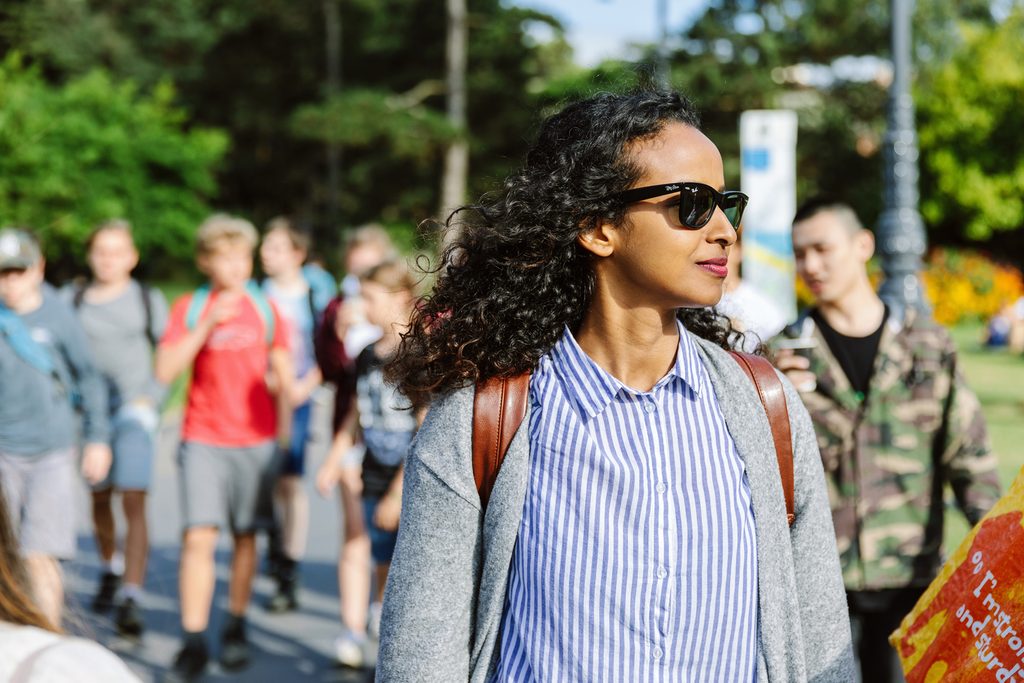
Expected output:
(969, 624)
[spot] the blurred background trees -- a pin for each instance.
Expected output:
(255, 73)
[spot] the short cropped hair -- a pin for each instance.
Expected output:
(372, 234)
(114, 224)
(222, 227)
(843, 212)
(300, 238)
(393, 275)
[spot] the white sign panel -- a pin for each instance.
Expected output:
(768, 176)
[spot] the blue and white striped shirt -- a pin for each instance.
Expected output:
(636, 556)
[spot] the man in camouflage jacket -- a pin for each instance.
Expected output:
(889, 448)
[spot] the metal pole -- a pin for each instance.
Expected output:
(664, 71)
(901, 237)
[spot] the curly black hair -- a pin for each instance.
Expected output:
(513, 275)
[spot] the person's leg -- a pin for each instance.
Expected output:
(354, 561)
(47, 585)
(136, 544)
(103, 524)
(197, 577)
(243, 568)
(295, 517)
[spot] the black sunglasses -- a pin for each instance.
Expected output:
(697, 202)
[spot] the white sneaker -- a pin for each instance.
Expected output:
(350, 650)
(373, 622)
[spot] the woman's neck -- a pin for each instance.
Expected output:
(636, 346)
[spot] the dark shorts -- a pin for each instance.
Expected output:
(228, 487)
(133, 443)
(294, 463)
(382, 543)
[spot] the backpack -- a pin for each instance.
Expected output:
(499, 407)
(147, 306)
(201, 296)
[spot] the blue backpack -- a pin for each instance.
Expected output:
(201, 297)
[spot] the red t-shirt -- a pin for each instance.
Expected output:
(228, 401)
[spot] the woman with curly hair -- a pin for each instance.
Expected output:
(637, 529)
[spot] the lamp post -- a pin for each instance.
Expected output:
(901, 237)
(664, 75)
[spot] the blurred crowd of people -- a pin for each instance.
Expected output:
(86, 369)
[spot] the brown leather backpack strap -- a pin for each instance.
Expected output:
(773, 398)
(499, 407)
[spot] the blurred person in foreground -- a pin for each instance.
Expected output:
(380, 417)
(896, 424)
(32, 648)
(301, 301)
(38, 430)
(234, 432)
(637, 530)
(123, 319)
(346, 330)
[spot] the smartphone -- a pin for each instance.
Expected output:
(800, 346)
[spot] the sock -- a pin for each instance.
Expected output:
(130, 591)
(116, 564)
(195, 639)
(234, 624)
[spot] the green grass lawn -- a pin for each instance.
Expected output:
(997, 377)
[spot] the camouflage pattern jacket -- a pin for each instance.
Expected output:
(889, 455)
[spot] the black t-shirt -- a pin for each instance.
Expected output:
(856, 355)
(386, 421)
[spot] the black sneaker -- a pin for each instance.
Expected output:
(189, 664)
(287, 597)
(104, 600)
(129, 619)
(234, 647)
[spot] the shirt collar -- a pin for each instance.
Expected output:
(592, 388)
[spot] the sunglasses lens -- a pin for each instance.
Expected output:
(733, 206)
(696, 205)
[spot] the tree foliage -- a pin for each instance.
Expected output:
(92, 149)
(971, 133)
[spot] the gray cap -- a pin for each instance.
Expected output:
(18, 249)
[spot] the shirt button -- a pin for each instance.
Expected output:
(657, 653)
(662, 572)
(661, 488)
(649, 407)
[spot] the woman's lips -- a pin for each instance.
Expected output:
(717, 266)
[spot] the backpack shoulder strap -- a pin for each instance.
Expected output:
(262, 304)
(147, 311)
(196, 305)
(499, 407)
(79, 285)
(773, 398)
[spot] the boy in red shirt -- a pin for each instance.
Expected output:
(235, 342)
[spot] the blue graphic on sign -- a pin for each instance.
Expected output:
(756, 159)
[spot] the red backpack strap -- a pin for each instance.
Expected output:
(499, 407)
(773, 398)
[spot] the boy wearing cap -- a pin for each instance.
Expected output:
(37, 422)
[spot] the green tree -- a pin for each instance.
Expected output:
(75, 154)
(971, 135)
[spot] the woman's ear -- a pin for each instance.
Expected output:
(599, 238)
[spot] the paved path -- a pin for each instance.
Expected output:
(291, 647)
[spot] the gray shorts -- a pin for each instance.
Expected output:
(228, 487)
(40, 494)
(133, 442)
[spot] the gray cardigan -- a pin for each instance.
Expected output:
(446, 591)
